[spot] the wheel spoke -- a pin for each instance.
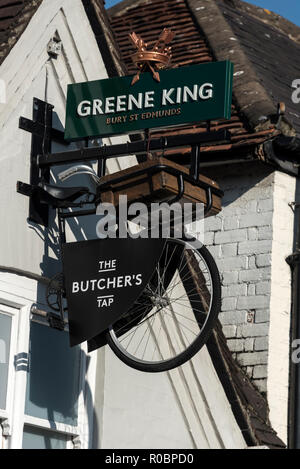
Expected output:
(172, 313)
(151, 325)
(185, 317)
(182, 324)
(147, 322)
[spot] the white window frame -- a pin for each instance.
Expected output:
(14, 417)
(5, 414)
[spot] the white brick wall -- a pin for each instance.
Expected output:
(240, 239)
(250, 240)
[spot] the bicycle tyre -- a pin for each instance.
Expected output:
(196, 345)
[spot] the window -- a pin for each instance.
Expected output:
(5, 338)
(43, 439)
(53, 389)
(8, 336)
(46, 397)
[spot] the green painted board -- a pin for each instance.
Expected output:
(184, 95)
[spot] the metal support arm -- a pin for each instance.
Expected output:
(42, 160)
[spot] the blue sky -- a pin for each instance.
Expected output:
(290, 9)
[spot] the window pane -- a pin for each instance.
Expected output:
(5, 331)
(53, 376)
(37, 438)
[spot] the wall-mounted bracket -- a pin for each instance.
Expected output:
(42, 159)
(42, 135)
(6, 428)
(54, 47)
(77, 442)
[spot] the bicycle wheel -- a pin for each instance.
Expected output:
(175, 314)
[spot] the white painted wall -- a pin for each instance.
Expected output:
(186, 408)
(280, 303)
(29, 72)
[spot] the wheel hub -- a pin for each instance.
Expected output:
(159, 301)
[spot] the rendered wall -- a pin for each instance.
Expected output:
(168, 410)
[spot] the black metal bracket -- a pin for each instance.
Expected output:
(293, 259)
(55, 322)
(153, 170)
(138, 147)
(195, 162)
(41, 158)
(37, 128)
(42, 133)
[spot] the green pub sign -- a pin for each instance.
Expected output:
(184, 95)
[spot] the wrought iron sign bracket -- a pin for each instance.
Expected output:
(42, 159)
(42, 135)
(195, 162)
(139, 147)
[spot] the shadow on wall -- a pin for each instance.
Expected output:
(237, 179)
(79, 229)
(53, 385)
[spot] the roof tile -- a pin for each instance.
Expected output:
(14, 18)
(190, 46)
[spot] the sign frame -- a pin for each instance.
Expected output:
(184, 95)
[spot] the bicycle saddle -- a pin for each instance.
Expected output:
(63, 193)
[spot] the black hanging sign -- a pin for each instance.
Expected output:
(103, 279)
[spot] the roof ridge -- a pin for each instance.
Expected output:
(125, 5)
(101, 27)
(260, 110)
(268, 17)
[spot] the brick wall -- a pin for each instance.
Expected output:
(240, 239)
